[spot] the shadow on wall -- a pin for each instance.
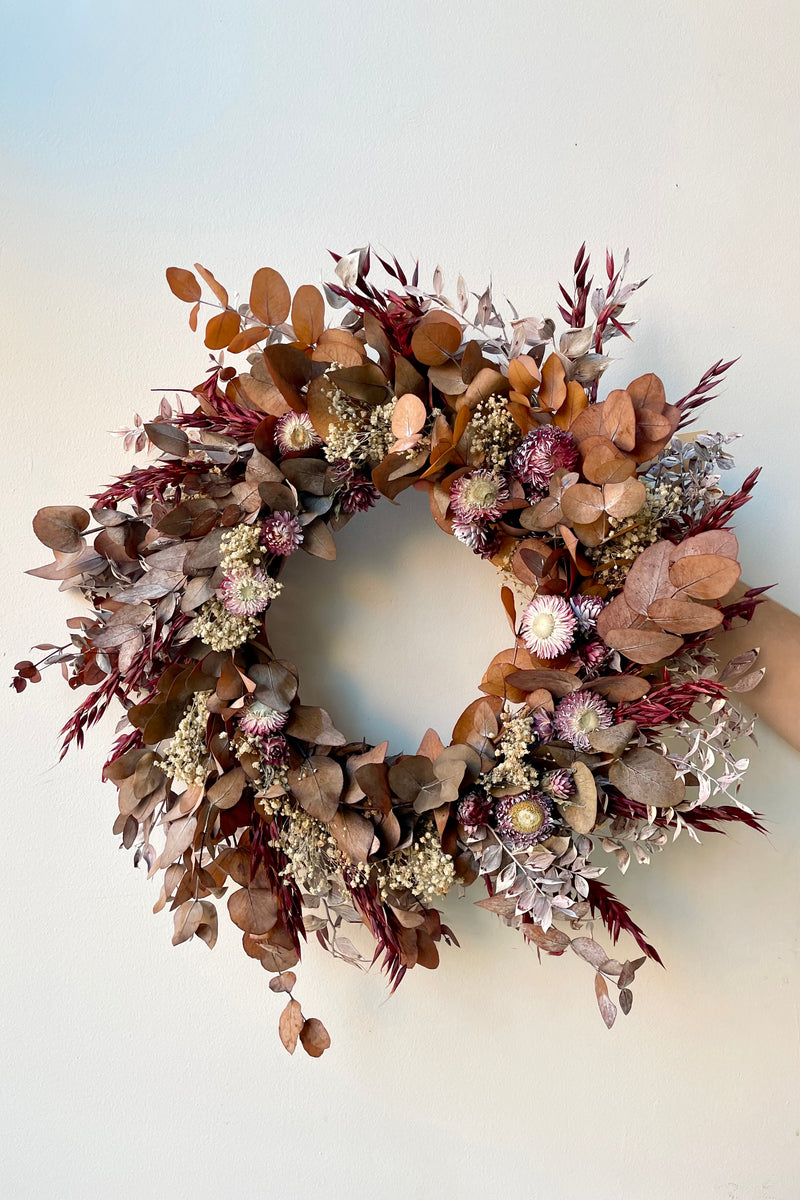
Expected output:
(387, 636)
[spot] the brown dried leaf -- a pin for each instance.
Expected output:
(308, 314)
(553, 389)
(624, 499)
(649, 578)
(614, 739)
(284, 982)
(642, 645)
(581, 816)
(557, 683)
(408, 416)
(353, 834)
(228, 789)
(619, 419)
(582, 503)
(60, 527)
(215, 285)
(436, 338)
(317, 786)
(570, 410)
(253, 909)
(290, 1025)
(683, 617)
(183, 284)
(270, 298)
(644, 775)
(314, 1037)
(608, 1010)
(704, 576)
(222, 329)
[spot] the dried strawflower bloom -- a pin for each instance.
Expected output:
(478, 496)
(481, 539)
(259, 719)
(294, 433)
(246, 593)
(358, 494)
(578, 715)
(474, 810)
(548, 626)
(543, 725)
(587, 609)
(275, 750)
(540, 454)
(524, 821)
(559, 784)
(594, 656)
(281, 533)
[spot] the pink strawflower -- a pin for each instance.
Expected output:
(594, 656)
(294, 433)
(540, 453)
(275, 750)
(260, 719)
(578, 715)
(474, 810)
(524, 820)
(248, 592)
(358, 495)
(543, 725)
(559, 784)
(548, 626)
(281, 533)
(480, 539)
(587, 609)
(478, 496)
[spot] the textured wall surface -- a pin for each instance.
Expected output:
(490, 138)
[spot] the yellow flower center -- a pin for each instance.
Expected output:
(526, 817)
(588, 720)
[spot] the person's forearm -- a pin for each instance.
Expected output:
(776, 631)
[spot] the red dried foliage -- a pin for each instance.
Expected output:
(617, 919)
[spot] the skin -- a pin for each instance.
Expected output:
(776, 630)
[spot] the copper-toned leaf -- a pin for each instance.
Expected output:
(614, 739)
(488, 382)
(524, 374)
(366, 382)
(227, 789)
(311, 724)
(713, 541)
(222, 329)
(247, 338)
(183, 284)
(353, 834)
(314, 1037)
(270, 298)
(704, 576)
(647, 392)
(408, 416)
(553, 390)
(573, 406)
(308, 314)
(608, 1010)
(253, 909)
(624, 499)
(620, 687)
(647, 777)
(581, 813)
(683, 617)
(649, 578)
(215, 285)
(603, 463)
(283, 982)
(339, 346)
(436, 338)
(643, 645)
(318, 540)
(60, 526)
(557, 683)
(619, 419)
(317, 786)
(290, 1025)
(582, 503)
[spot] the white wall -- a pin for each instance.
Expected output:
(487, 137)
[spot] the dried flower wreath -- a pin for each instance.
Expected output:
(608, 525)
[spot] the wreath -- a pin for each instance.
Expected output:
(602, 733)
